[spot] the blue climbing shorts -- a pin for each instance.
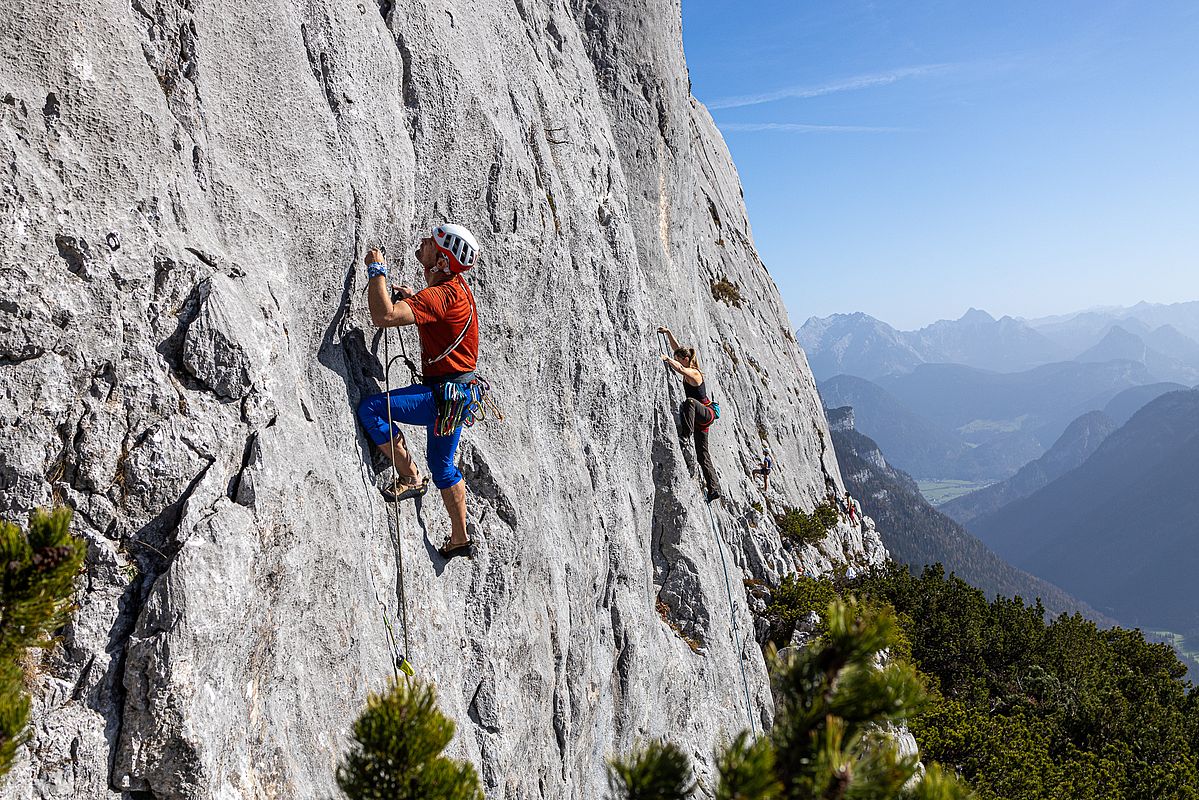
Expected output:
(413, 405)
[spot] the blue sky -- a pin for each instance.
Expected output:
(913, 159)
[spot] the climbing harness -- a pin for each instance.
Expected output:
(463, 404)
(458, 404)
(728, 586)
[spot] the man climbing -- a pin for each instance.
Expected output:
(448, 324)
(697, 412)
(764, 471)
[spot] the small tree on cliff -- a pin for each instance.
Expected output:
(37, 574)
(828, 741)
(397, 747)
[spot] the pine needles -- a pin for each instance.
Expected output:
(37, 574)
(397, 747)
(833, 703)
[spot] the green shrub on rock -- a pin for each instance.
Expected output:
(832, 701)
(397, 747)
(37, 575)
(808, 528)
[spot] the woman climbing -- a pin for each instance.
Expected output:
(696, 414)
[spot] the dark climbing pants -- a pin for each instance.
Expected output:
(695, 418)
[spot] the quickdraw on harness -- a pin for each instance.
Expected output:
(463, 404)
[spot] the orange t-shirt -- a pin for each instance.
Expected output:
(444, 313)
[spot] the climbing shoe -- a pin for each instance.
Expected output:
(395, 492)
(448, 551)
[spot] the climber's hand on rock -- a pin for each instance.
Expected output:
(373, 256)
(403, 291)
(663, 329)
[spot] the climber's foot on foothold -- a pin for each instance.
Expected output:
(452, 548)
(404, 490)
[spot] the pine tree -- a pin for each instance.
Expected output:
(747, 770)
(833, 702)
(37, 574)
(397, 751)
(661, 771)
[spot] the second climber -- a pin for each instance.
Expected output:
(697, 412)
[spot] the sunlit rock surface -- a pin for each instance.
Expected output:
(187, 189)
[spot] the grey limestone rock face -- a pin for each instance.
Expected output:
(188, 187)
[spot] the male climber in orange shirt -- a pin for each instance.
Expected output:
(448, 323)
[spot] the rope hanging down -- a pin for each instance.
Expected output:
(401, 660)
(728, 587)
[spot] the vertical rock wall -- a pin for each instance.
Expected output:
(187, 189)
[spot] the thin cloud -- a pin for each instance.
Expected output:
(796, 127)
(847, 85)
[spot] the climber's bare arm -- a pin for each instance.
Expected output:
(674, 345)
(693, 376)
(384, 313)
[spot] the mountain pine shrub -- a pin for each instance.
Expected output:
(660, 771)
(832, 702)
(37, 575)
(806, 528)
(1029, 709)
(396, 751)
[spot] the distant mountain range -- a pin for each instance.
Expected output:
(1128, 402)
(1121, 344)
(952, 421)
(920, 446)
(858, 344)
(1079, 330)
(916, 534)
(1041, 401)
(1121, 530)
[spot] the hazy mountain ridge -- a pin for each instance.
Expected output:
(1120, 530)
(1128, 402)
(1081, 438)
(859, 344)
(914, 442)
(1121, 344)
(1077, 330)
(916, 534)
(855, 344)
(1041, 401)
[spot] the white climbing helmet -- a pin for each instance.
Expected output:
(457, 244)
